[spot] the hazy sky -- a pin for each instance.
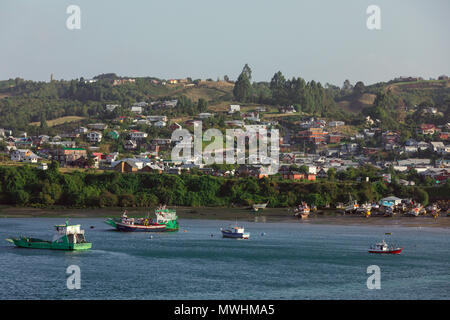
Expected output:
(322, 40)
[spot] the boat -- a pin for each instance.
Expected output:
(365, 209)
(352, 206)
(67, 237)
(302, 210)
(258, 206)
(389, 212)
(383, 247)
(166, 221)
(415, 211)
(235, 232)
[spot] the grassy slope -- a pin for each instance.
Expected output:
(416, 91)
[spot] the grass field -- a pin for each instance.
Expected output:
(59, 121)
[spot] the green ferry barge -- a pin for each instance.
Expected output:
(66, 237)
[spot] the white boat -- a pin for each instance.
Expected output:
(258, 206)
(235, 232)
(352, 206)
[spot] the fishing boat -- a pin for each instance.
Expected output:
(302, 210)
(66, 237)
(235, 232)
(383, 247)
(166, 220)
(258, 206)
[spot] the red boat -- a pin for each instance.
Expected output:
(383, 247)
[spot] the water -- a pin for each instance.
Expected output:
(290, 261)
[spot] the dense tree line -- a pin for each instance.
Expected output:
(28, 186)
(309, 97)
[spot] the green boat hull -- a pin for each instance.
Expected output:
(171, 226)
(33, 243)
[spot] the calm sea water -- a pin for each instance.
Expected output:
(291, 261)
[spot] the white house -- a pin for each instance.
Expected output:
(205, 115)
(94, 136)
(160, 124)
(138, 135)
(336, 123)
(136, 109)
(234, 108)
(112, 107)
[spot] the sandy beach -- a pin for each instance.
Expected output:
(242, 214)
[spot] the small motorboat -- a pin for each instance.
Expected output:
(258, 206)
(235, 232)
(383, 247)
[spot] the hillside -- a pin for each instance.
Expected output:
(412, 93)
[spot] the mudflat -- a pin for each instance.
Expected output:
(241, 214)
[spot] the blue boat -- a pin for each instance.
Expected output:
(235, 232)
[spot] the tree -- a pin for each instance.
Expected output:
(247, 71)
(359, 88)
(347, 86)
(242, 89)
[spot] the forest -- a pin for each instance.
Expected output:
(28, 186)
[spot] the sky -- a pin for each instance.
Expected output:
(321, 40)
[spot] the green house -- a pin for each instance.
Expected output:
(114, 134)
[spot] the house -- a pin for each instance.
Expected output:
(334, 138)
(410, 149)
(160, 124)
(138, 135)
(252, 116)
(157, 118)
(111, 107)
(336, 123)
(234, 108)
(427, 129)
(42, 166)
(94, 136)
(126, 166)
(81, 130)
(97, 126)
(287, 109)
(444, 135)
(24, 155)
(136, 109)
(68, 155)
(234, 123)
(114, 134)
(390, 201)
(175, 126)
(117, 82)
(438, 146)
(130, 145)
(205, 115)
(152, 168)
(422, 145)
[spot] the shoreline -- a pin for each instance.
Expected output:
(267, 215)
